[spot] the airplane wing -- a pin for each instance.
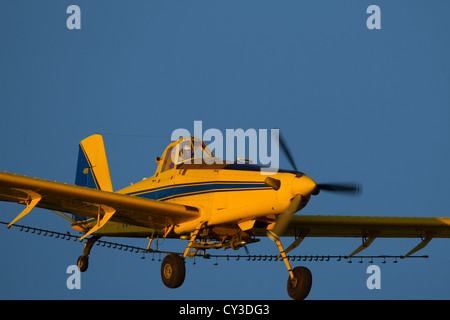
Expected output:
(91, 202)
(358, 226)
(368, 228)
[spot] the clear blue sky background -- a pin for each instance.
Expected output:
(354, 105)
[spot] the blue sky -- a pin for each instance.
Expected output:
(354, 105)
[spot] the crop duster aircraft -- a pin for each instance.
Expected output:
(211, 205)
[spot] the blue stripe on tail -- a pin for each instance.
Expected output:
(83, 177)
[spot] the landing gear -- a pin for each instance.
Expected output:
(83, 263)
(299, 286)
(173, 271)
(300, 279)
(83, 260)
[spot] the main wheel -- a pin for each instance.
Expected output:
(299, 287)
(173, 270)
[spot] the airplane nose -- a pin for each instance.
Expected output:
(303, 185)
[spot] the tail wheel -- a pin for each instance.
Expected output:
(299, 287)
(83, 263)
(173, 271)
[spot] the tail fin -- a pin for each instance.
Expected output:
(92, 171)
(92, 167)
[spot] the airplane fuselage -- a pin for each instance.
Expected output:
(225, 194)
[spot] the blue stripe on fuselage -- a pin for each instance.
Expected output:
(168, 192)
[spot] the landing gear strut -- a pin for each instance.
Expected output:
(173, 269)
(300, 278)
(83, 260)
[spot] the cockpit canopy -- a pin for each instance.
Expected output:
(186, 150)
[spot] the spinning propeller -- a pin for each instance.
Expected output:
(304, 186)
(346, 187)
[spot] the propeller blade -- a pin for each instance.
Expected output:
(345, 188)
(284, 218)
(348, 188)
(286, 152)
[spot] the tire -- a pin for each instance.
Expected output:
(299, 287)
(83, 263)
(173, 271)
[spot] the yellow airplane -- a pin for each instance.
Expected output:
(213, 205)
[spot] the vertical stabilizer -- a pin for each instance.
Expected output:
(92, 167)
(92, 172)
